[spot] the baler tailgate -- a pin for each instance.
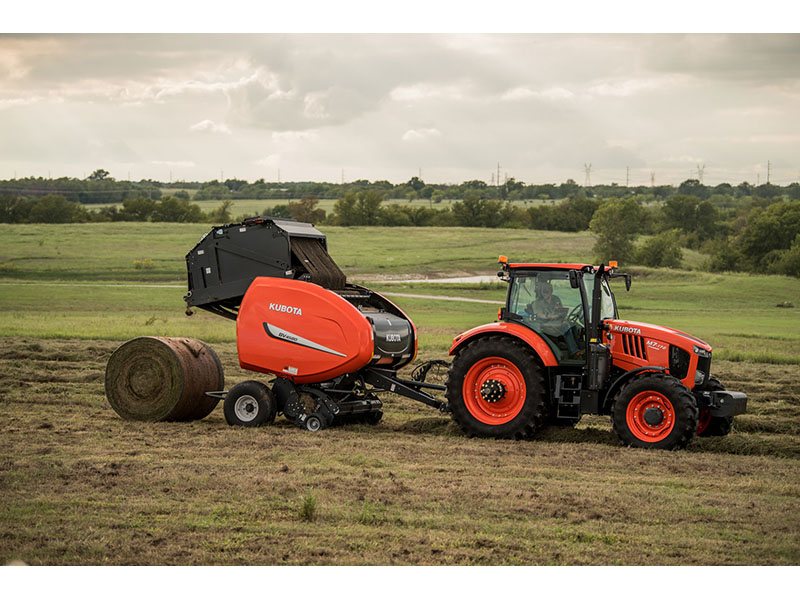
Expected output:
(314, 258)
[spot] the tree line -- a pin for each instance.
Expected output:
(742, 227)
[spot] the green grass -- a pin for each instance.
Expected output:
(110, 251)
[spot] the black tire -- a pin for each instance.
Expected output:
(529, 418)
(668, 390)
(249, 404)
(373, 417)
(716, 426)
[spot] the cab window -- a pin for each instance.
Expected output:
(545, 302)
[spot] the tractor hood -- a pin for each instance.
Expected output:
(656, 332)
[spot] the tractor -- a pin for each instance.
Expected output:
(560, 350)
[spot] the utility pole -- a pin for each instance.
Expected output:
(652, 179)
(627, 176)
(493, 179)
(498, 175)
(701, 172)
(587, 169)
(279, 175)
(758, 178)
(769, 170)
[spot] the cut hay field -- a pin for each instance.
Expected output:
(81, 486)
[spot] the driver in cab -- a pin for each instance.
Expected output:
(547, 307)
(548, 310)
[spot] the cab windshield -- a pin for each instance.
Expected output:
(608, 309)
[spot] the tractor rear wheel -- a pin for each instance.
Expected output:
(655, 411)
(250, 404)
(495, 388)
(708, 426)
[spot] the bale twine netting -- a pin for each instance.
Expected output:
(163, 379)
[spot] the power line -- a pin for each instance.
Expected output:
(701, 171)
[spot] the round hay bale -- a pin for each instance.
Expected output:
(163, 379)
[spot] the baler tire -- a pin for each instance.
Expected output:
(708, 426)
(245, 396)
(664, 392)
(374, 417)
(515, 365)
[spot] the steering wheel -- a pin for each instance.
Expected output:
(575, 315)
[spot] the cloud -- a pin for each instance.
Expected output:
(415, 135)
(209, 126)
(524, 93)
(294, 136)
(272, 161)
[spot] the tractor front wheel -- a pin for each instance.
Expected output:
(495, 388)
(655, 411)
(708, 426)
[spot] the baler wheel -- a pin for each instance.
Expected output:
(374, 417)
(313, 423)
(708, 426)
(249, 404)
(495, 389)
(655, 411)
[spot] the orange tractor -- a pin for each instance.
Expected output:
(557, 351)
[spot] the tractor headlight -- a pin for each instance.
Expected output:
(700, 352)
(678, 362)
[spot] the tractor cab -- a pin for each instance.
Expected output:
(555, 301)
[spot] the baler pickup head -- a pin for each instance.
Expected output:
(225, 261)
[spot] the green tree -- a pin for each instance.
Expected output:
(14, 209)
(221, 214)
(98, 175)
(788, 262)
(416, 184)
(57, 209)
(771, 229)
(137, 209)
(693, 187)
(306, 211)
(358, 208)
(662, 250)
(175, 210)
(616, 224)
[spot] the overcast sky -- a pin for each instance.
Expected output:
(388, 106)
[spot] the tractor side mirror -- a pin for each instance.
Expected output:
(573, 279)
(627, 282)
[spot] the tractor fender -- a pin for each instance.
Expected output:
(625, 378)
(530, 338)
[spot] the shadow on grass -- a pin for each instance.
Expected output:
(737, 443)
